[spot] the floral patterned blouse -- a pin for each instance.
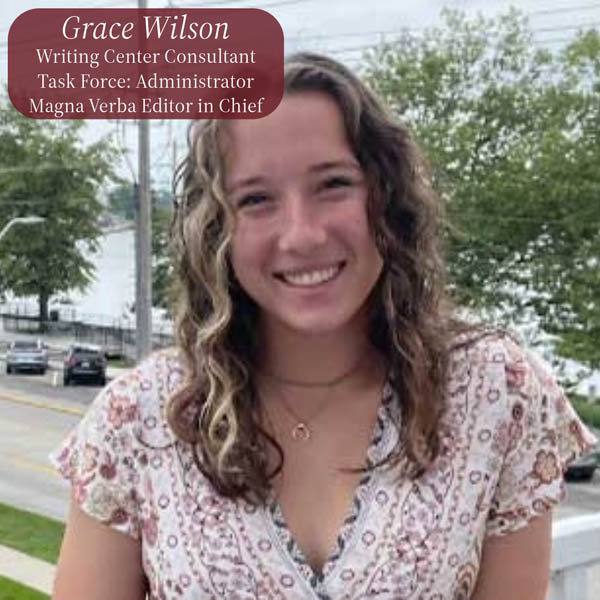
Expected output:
(508, 433)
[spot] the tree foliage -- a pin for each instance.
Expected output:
(46, 171)
(121, 201)
(162, 263)
(512, 134)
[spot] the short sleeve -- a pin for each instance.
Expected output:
(539, 435)
(100, 457)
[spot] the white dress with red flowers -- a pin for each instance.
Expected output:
(507, 434)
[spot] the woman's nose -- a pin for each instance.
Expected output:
(302, 226)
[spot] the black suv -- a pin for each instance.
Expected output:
(84, 363)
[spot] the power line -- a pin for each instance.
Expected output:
(415, 31)
(568, 27)
(375, 45)
(284, 3)
(562, 40)
(208, 4)
(254, 5)
(554, 11)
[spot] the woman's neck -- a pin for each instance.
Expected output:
(310, 358)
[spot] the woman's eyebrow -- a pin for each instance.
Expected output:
(248, 181)
(335, 164)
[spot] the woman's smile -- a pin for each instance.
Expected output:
(311, 276)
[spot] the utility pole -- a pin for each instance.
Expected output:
(143, 293)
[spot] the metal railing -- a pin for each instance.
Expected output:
(116, 336)
(576, 558)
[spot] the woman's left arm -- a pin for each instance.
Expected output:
(516, 565)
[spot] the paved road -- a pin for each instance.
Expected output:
(29, 431)
(27, 435)
(49, 385)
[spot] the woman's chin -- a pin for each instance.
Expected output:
(317, 324)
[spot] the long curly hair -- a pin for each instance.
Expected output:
(216, 409)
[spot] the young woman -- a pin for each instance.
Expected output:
(324, 428)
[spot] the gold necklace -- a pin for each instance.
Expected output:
(315, 384)
(301, 431)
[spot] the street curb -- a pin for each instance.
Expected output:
(27, 570)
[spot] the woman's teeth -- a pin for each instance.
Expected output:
(315, 277)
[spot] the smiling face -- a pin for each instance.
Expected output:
(302, 248)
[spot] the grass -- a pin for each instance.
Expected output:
(31, 534)
(587, 411)
(122, 362)
(11, 590)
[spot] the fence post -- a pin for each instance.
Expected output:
(575, 548)
(569, 584)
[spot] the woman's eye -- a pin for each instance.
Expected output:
(251, 200)
(337, 182)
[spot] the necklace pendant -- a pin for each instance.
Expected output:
(301, 432)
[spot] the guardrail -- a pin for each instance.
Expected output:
(575, 549)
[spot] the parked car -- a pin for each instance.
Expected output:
(26, 355)
(84, 363)
(583, 468)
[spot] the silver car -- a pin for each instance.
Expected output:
(27, 356)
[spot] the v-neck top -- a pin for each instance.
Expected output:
(507, 433)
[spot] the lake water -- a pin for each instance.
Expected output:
(112, 293)
(111, 296)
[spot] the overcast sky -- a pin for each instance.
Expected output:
(341, 27)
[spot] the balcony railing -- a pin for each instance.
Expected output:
(576, 558)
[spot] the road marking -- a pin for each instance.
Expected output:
(28, 401)
(28, 464)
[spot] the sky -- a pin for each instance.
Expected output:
(342, 28)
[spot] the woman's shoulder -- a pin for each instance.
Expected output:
(499, 381)
(493, 347)
(161, 373)
(137, 398)
(494, 358)
(110, 449)
(488, 369)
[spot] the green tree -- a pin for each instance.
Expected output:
(512, 134)
(121, 200)
(162, 265)
(45, 170)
